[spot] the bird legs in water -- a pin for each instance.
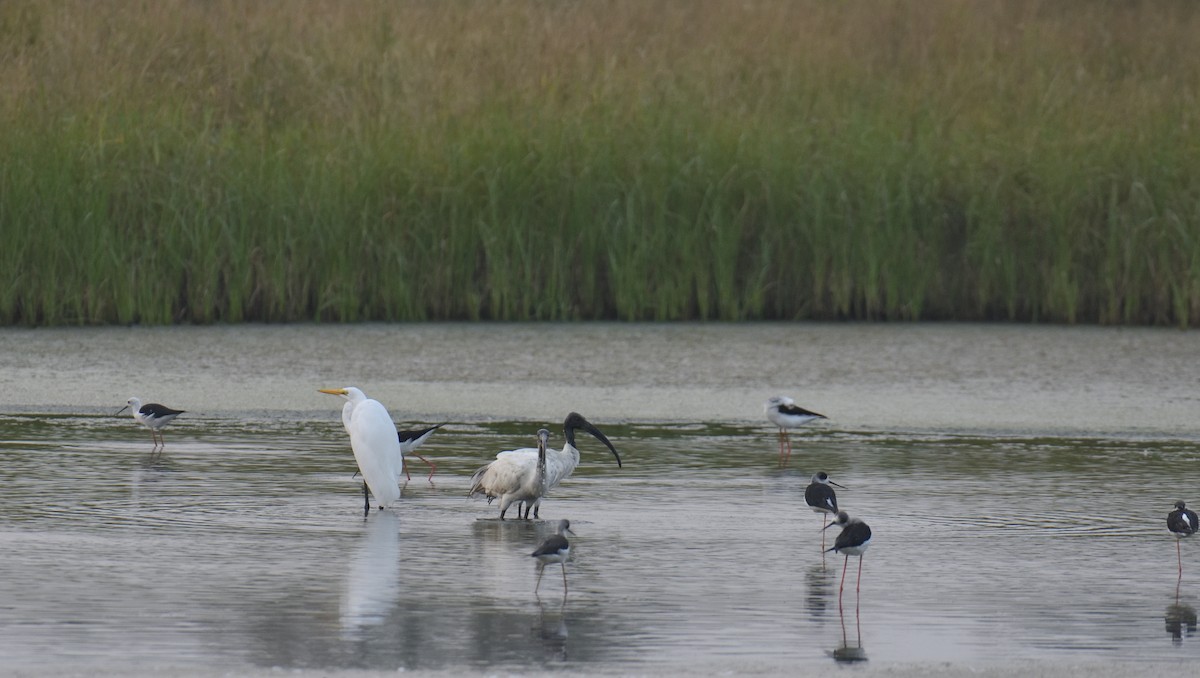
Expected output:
(542, 570)
(366, 500)
(785, 447)
(432, 466)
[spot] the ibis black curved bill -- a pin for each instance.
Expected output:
(574, 421)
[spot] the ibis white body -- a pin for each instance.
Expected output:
(527, 474)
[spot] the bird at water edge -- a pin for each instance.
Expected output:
(153, 416)
(786, 414)
(554, 549)
(1182, 522)
(376, 445)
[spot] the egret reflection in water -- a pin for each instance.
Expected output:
(372, 586)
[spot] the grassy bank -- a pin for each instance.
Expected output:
(183, 161)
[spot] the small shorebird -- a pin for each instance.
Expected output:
(786, 414)
(822, 499)
(376, 445)
(153, 416)
(555, 549)
(853, 541)
(410, 441)
(1182, 522)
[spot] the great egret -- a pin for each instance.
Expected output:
(153, 416)
(1182, 522)
(784, 413)
(516, 469)
(554, 549)
(853, 541)
(376, 445)
(822, 499)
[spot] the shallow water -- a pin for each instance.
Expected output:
(244, 544)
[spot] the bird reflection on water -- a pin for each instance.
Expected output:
(818, 590)
(552, 632)
(848, 652)
(1180, 620)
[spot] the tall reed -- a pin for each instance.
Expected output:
(182, 161)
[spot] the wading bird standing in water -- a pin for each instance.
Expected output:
(822, 499)
(513, 472)
(784, 413)
(376, 445)
(853, 541)
(555, 549)
(153, 416)
(1182, 522)
(409, 442)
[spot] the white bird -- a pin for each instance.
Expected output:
(153, 416)
(409, 442)
(376, 445)
(514, 472)
(784, 413)
(555, 549)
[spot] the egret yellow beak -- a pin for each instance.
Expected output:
(333, 391)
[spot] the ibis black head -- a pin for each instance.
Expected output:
(575, 420)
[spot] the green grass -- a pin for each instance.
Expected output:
(337, 161)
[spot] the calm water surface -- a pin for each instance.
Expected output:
(244, 545)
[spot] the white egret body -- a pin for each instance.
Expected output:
(514, 475)
(375, 442)
(153, 416)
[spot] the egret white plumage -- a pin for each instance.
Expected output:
(853, 541)
(514, 472)
(821, 498)
(554, 549)
(1182, 522)
(410, 441)
(376, 445)
(785, 413)
(153, 416)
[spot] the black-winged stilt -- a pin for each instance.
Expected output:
(1182, 522)
(555, 549)
(853, 540)
(786, 414)
(153, 416)
(376, 445)
(822, 499)
(513, 470)
(410, 441)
